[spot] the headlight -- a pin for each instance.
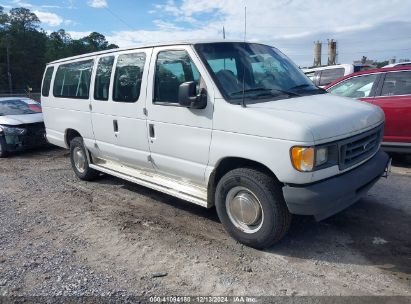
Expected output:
(306, 159)
(13, 130)
(321, 156)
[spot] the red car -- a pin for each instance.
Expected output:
(389, 88)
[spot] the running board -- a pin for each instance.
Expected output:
(185, 191)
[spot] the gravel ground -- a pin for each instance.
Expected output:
(63, 236)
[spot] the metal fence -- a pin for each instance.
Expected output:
(34, 96)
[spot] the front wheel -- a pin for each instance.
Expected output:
(79, 160)
(251, 207)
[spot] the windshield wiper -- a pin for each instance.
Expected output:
(318, 89)
(250, 90)
(266, 90)
(301, 86)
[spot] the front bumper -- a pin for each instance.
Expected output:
(326, 198)
(23, 142)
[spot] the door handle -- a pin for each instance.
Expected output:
(151, 130)
(115, 126)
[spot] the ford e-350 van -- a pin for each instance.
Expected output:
(231, 124)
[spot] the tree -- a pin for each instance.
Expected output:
(96, 42)
(3, 67)
(381, 64)
(27, 48)
(112, 46)
(30, 48)
(3, 18)
(23, 19)
(58, 45)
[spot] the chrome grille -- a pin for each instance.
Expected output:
(360, 147)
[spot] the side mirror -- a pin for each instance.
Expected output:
(187, 96)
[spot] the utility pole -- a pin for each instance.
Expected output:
(8, 65)
(7, 36)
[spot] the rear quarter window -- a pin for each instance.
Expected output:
(397, 83)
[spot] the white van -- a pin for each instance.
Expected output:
(231, 124)
(323, 76)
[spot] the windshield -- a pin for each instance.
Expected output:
(19, 107)
(260, 71)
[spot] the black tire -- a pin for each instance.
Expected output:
(276, 218)
(3, 151)
(88, 173)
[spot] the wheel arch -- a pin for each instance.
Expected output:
(230, 163)
(69, 135)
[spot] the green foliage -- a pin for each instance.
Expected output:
(3, 18)
(30, 48)
(23, 19)
(381, 64)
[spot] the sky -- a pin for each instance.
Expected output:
(378, 29)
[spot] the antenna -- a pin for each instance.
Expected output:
(245, 36)
(245, 23)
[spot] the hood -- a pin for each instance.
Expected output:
(326, 116)
(316, 118)
(15, 120)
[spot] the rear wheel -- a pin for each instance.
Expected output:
(3, 151)
(251, 207)
(79, 160)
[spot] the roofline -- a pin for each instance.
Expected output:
(397, 64)
(371, 71)
(326, 67)
(141, 46)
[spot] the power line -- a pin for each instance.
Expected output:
(119, 18)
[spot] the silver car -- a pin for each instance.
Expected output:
(21, 125)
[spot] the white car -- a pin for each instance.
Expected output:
(231, 124)
(323, 76)
(398, 64)
(21, 125)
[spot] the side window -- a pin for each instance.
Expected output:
(356, 87)
(45, 91)
(73, 80)
(222, 64)
(103, 75)
(397, 83)
(329, 75)
(128, 76)
(172, 69)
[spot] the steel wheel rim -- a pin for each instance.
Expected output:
(79, 159)
(244, 209)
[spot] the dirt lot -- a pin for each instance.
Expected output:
(63, 236)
